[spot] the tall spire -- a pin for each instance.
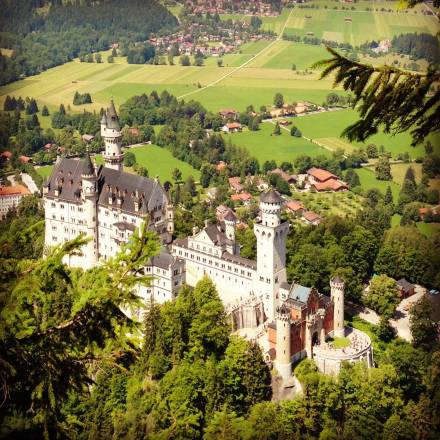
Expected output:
(88, 168)
(112, 117)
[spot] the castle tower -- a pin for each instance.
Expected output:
(283, 361)
(90, 197)
(111, 133)
(271, 236)
(230, 220)
(337, 294)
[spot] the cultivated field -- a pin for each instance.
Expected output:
(357, 26)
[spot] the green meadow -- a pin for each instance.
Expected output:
(263, 146)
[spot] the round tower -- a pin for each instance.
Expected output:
(90, 197)
(283, 355)
(111, 133)
(337, 287)
(271, 234)
(230, 219)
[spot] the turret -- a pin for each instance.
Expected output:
(230, 220)
(89, 197)
(271, 235)
(111, 133)
(337, 287)
(283, 353)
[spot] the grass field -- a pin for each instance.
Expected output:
(368, 181)
(363, 26)
(263, 146)
(327, 128)
(158, 161)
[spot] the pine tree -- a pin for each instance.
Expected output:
(410, 175)
(388, 199)
(62, 109)
(45, 111)
(383, 169)
(277, 130)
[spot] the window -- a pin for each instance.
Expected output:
(52, 205)
(61, 206)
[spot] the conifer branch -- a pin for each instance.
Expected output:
(387, 97)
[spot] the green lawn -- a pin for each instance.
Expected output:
(327, 128)
(158, 161)
(368, 181)
(428, 229)
(340, 342)
(263, 146)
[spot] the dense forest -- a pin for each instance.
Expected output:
(43, 34)
(74, 366)
(418, 46)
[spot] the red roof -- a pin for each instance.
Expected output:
(320, 174)
(48, 146)
(24, 159)
(7, 154)
(14, 190)
(243, 197)
(294, 205)
(311, 216)
(233, 125)
(330, 185)
(423, 211)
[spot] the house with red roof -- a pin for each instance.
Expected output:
(322, 180)
(311, 218)
(232, 127)
(10, 197)
(235, 184)
(289, 178)
(295, 207)
(242, 197)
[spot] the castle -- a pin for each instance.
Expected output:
(107, 205)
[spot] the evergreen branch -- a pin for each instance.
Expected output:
(386, 97)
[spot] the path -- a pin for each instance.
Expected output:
(430, 9)
(279, 37)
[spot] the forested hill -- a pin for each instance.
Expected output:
(44, 34)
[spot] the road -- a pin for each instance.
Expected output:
(279, 37)
(29, 182)
(401, 321)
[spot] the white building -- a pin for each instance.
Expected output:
(10, 197)
(107, 204)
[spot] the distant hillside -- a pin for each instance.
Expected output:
(44, 34)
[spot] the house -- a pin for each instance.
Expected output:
(295, 207)
(405, 288)
(10, 197)
(235, 184)
(284, 123)
(134, 131)
(261, 184)
(229, 113)
(289, 178)
(232, 127)
(242, 197)
(330, 185)
(49, 146)
(24, 159)
(319, 175)
(87, 138)
(311, 218)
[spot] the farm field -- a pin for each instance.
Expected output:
(327, 127)
(263, 146)
(344, 204)
(158, 161)
(356, 26)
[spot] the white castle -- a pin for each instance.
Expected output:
(107, 205)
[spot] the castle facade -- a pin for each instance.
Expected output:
(107, 205)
